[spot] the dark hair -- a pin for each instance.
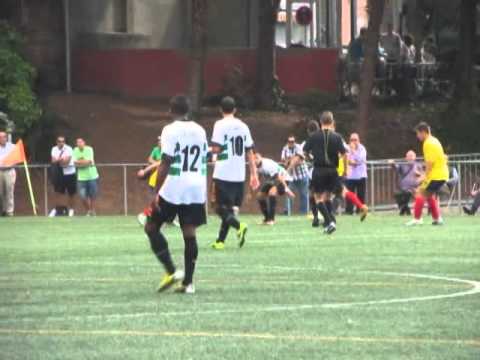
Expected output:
(326, 118)
(423, 127)
(408, 40)
(363, 31)
(312, 127)
(180, 105)
(228, 105)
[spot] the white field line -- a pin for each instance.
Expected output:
(293, 307)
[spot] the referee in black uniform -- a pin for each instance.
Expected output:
(325, 146)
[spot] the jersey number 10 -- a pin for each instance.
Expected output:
(237, 145)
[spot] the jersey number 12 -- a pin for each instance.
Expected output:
(194, 151)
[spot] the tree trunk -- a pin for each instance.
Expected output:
(367, 75)
(465, 82)
(198, 53)
(268, 10)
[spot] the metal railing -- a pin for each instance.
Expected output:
(121, 193)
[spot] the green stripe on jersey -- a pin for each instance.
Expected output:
(174, 171)
(222, 156)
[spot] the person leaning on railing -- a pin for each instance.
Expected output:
(409, 175)
(475, 193)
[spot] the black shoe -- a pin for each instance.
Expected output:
(316, 223)
(330, 229)
(467, 211)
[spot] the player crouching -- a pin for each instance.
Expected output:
(274, 184)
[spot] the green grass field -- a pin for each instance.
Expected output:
(84, 288)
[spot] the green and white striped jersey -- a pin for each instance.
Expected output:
(186, 143)
(234, 138)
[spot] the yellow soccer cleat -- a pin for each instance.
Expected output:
(218, 245)
(241, 234)
(168, 280)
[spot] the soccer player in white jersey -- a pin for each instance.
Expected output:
(182, 191)
(232, 142)
(275, 184)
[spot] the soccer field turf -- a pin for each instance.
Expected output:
(84, 288)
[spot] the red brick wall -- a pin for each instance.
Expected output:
(162, 73)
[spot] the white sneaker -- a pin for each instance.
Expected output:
(71, 212)
(188, 289)
(142, 219)
(438, 222)
(53, 213)
(414, 222)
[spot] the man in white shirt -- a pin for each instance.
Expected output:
(182, 191)
(292, 159)
(392, 43)
(274, 184)
(64, 174)
(7, 178)
(232, 142)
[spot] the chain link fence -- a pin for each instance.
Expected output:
(121, 193)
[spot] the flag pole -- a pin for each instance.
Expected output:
(30, 189)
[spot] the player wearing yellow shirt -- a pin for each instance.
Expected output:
(436, 175)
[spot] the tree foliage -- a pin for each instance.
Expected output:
(17, 98)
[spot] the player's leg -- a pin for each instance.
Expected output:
(350, 185)
(324, 182)
(191, 217)
(433, 201)
(190, 258)
(161, 212)
(262, 198)
(272, 204)
(419, 203)
(314, 210)
(329, 221)
(353, 199)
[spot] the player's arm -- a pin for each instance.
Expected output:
(254, 182)
(148, 170)
(163, 170)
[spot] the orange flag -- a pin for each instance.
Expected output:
(16, 156)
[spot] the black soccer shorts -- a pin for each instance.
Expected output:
(188, 214)
(229, 194)
(324, 180)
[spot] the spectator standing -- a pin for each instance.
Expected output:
(292, 159)
(66, 180)
(356, 171)
(356, 49)
(7, 178)
(392, 44)
(87, 175)
(409, 176)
